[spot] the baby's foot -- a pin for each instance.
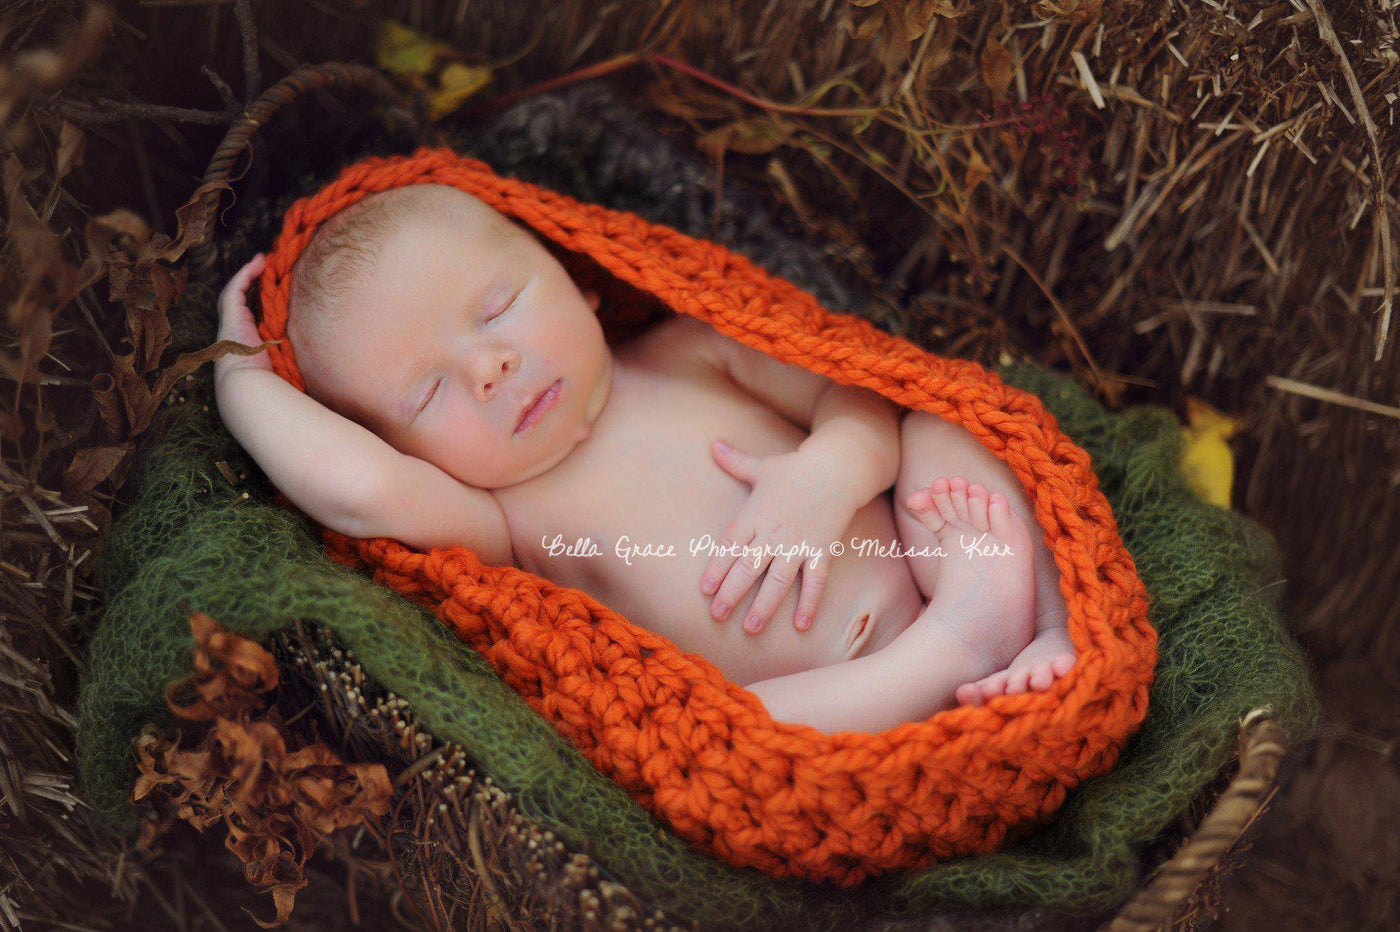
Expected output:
(1049, 655)
(986, 582)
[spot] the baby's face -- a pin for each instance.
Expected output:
(461, 326)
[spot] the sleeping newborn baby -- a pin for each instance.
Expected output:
(459, 391)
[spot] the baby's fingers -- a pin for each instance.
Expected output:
(774, 589)
(737, 582)
(235, 320)
(734, 538)
(813, 585)
(232, 297)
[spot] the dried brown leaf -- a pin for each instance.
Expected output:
(276, 804)
(51, 69)
(94, 464)
(919, 13)
(71, 143)
(756, 136)
(146, 289)
(863, 27)
(137, 405)
(134, 258)
(193, 221)
(1074, 11)
(939, 51)
(104, 392)
(186, 363)
(282, 898)
(49, 281)
(997, 69)
(977, 170)
(128, 404)
(230, 674)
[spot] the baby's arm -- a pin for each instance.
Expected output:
(854, 428)
(338, 472)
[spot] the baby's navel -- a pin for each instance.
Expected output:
(857, 634)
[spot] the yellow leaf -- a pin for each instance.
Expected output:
(1206, 459)
(458, 82)
(406, 52)
(434, 67)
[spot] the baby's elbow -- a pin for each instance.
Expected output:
(367, 505)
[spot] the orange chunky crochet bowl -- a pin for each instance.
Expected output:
(698, 751)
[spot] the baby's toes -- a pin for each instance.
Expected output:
(957, 491)
(1003, 521)
(940, 490)
(1062, 664)
(1041, 677)
(977, 506)
(1018, 681)
(968, 694)
(921, 503)
(994, 685)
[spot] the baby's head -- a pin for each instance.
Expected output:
(430, 319)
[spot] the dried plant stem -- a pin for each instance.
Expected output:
(101, 110)
(247, 26)
(1327, 394)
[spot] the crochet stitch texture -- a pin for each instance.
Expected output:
(695, 749)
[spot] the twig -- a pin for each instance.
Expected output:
(631, 58)
(1087, 76)
(102, 110)
(221, 86)
(1064, 315)
(1327, 394)
(248, 27)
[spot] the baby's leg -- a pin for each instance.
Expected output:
(934, 447)
(986, 589)
(976, 623)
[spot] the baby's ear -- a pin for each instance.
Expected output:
(592, 298)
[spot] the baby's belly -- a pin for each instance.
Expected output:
(650, 575)
(645, 492)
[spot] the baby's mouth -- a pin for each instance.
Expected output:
(537, 408)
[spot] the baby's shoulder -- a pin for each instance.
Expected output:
(684, 328)
(681, 340)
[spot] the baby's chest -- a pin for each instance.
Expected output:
(645, 480)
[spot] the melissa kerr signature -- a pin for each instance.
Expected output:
(628, 550)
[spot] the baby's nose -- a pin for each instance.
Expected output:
(496, 370)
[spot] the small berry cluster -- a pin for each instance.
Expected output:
(1043, 121)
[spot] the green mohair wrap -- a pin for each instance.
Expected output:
(185, 543)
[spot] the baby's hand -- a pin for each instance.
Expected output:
(790, 505)
(236, 321)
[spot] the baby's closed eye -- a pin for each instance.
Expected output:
(432, 393)
(508, 305)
